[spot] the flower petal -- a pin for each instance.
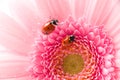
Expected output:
(59, 9)
(113, 26)
(13, 36)
(19, 78)
(26, 13)
(13, 66)
(97, 12)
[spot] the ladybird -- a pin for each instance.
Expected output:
(68, 40)
(49, 27)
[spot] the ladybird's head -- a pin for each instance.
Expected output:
(54, 22)
(72, 38)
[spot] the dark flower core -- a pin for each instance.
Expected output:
(73, 64)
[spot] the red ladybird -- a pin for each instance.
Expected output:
(49, 27)
(68, 40)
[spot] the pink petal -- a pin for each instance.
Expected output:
(113, 26)
(14, 36)
(59, 9)
(19, 78)
(97, 12)
(26, 13)
(13, 66)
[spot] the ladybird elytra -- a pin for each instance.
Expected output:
(49, 27)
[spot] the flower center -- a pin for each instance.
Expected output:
(73, 64)
(83, 58)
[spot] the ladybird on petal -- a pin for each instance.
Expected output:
(49, 27)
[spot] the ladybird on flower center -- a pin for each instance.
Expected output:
(68, 40)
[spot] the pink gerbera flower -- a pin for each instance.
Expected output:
(28, 54)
